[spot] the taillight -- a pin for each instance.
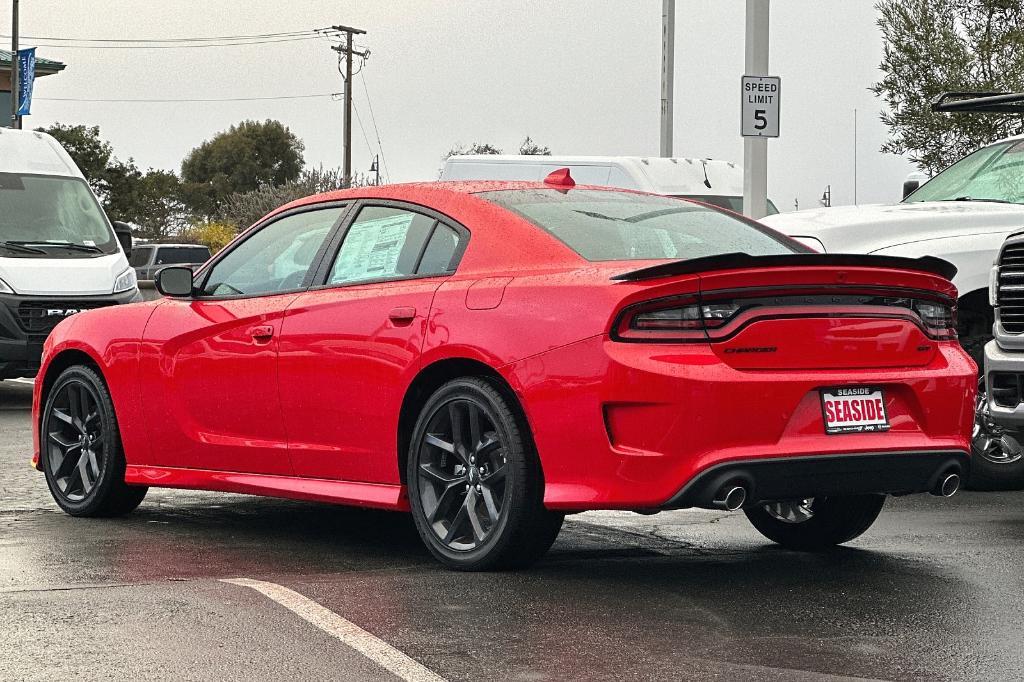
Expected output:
(939, 319)
(678, 319)
(685, 318)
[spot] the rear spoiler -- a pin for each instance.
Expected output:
(980, 102)
(731, 261)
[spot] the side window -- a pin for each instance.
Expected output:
(140, 256)
(275, 258)
(437, 257)
(382, 242)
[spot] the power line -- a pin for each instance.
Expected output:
(207, 39)
(210, 99)
(380, 148)
(182, 46)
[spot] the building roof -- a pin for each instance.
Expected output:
(44, 67)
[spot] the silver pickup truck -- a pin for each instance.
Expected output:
(1001, 414)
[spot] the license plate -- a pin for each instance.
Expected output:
(854, 409)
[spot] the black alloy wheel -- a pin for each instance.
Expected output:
(475, 484)
(462, 474)
(75, 440)
(80, 448)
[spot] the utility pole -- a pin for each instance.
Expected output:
(15, 84)
(755, 149)
(345, 52)
(668, 53)
(854, 157)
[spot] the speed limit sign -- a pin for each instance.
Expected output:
(760, 110)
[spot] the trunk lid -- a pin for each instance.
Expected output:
(818, 311)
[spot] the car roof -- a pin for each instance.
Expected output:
(503, 240)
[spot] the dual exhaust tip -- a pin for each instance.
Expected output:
(732, 497)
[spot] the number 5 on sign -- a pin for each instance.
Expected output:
(760, 109)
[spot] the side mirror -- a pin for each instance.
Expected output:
(914, 180)
(123, 232)
(175, 280)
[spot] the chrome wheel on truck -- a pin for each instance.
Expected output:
(998, 453)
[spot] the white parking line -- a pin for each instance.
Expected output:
(377, 650)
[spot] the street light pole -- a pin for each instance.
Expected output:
(755, 149)
(15, 85)
(668, 52)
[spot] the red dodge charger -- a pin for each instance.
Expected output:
(492, 356)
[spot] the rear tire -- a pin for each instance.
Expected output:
(475, 484)
(820, 524)
(80, 448)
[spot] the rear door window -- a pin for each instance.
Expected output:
(381, 243)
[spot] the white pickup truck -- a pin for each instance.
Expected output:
(962, 215)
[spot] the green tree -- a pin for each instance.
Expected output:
(244, 208)
(475, 148)
(529, 147)
(159, 209)
(932, 46)
(240, 159)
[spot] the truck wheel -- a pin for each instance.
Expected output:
(816, 523)
(997, 454)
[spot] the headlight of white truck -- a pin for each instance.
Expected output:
(993, 285)
(126, 281)
(5, 288)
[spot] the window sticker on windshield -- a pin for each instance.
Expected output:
(372, 247)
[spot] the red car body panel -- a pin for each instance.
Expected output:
(312, 411)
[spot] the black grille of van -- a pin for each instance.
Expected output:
(40, 317)
(1010, 290)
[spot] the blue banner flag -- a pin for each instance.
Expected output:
(26, 79)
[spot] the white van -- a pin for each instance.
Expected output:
(59, 254)
(714, 182)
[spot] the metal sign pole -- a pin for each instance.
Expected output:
(15, 84)
(668, 50)
(755, 149)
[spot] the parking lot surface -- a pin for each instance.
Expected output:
(934, 590)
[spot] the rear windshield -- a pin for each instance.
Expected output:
(608, 225)
(169, 255)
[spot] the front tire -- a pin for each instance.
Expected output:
(475, 483)
(816, 523)
(80, 448)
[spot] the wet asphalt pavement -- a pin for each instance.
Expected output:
(934, 590)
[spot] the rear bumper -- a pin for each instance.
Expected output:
(630, 426)
(765, 480)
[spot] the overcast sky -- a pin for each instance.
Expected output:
(580, 77)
